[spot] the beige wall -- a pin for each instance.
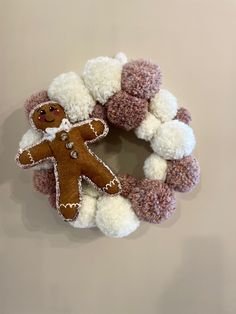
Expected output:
(185, 266)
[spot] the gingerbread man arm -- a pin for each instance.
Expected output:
(33, 155)
(93, 129)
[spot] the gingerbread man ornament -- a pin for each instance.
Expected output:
(65, 144)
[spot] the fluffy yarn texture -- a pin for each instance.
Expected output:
(44, 181)
(69, 90)
(164, 105)
(183, 115)
(173, 140)
(121, 57)
(184, 174)
(99, 112)
(52, 200)
(127, 182)
(141, 78)
(115, 217)
(89, 189)
(32, 137)
(126, 111)
(87, 213)
(152, 201)
(34, 100)
(155, 167)
(102, 77)
(148, 127)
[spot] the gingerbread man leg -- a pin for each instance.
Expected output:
(100, 175)
(69, 199)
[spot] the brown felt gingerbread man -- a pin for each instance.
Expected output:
(66, 145)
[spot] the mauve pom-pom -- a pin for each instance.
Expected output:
(34, 100)
(184, 174)
(126, 111)
(183, 115)
(52, 200)
(141, 78)
(99, 111)
(44, 181)
(127, 182)
(153, 201)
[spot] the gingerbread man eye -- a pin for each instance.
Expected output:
(51, 108)
(42, 112)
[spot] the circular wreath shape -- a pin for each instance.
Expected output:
(126, 94)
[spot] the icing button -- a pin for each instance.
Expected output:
(74, 154)
(69, 145)
(64, 136)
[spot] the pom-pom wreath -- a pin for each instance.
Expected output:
(127, 182)
(155, 167)
(32, 137)
(173, 140)
(44, 181)
(99, 111)
(152, 201)
(148, 127)
(128, 96)
(102, 77)
(34, 100)
(141, 78)
(164, 105)
(126, 111)
(183, 115)
(184, 174)
(86, 218)
(68, 89)
(115, 217)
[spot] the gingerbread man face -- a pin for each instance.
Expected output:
(48, 115)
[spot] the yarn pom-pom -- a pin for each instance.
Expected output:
(147, 127)
(69, 90)
(126, 111)
(115, 217)
(153, 201)
(164, 105)
(155, 167)
(183, 115)
(99, 112)
(90, 190)
(141, 78)
(102, 77)
(34, 100)
(173, 140)
(52, 200)
(44, 181)
(87, 213)
(127, 182)
(184, 174)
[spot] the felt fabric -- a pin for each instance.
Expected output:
(73, 160)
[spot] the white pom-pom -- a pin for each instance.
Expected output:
(148, 127)
(164, 105)
(69, 90)
(88, 189)
(115, 217)
(155, 167)
(173, 140)
(121, 57)
(87, 213)
(102, 77)
(30, 138)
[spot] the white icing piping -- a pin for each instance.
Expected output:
(30, 156)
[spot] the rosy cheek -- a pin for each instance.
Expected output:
(56, 112)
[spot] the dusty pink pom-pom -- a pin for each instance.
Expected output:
(141, 78)
(52, 200)
(183, 115)
(183, 174)
(34, 100)
(44, 181)
(126, 111)
(99, 112)
(153, 201)
(128, 183)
